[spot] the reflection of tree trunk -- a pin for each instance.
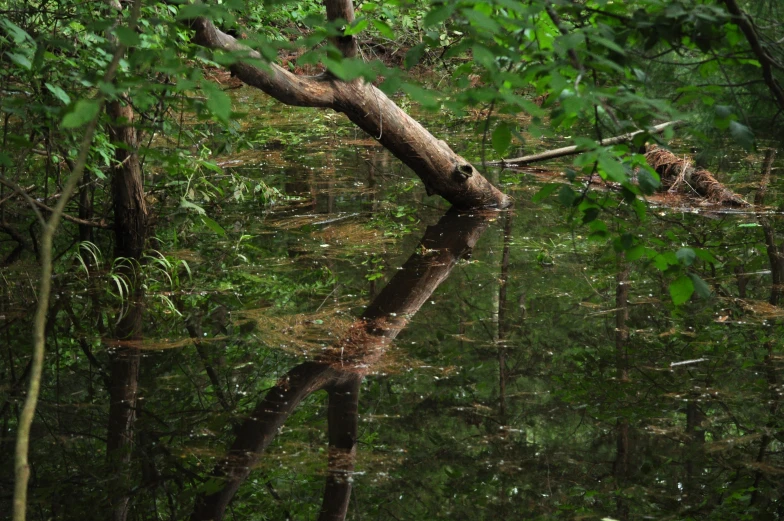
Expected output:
(502, 326)
(621, 317)
(85, 211)
(621, 465)
(194, 327)
(342, 416)
(772, 377)
(694, 449)
(340, 369)
(123, 391)
(775, 253)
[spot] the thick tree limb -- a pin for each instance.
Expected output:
(441, 170)
(571, 150)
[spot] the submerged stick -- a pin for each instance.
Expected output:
(574, 149)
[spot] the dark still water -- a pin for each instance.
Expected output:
(356, 351)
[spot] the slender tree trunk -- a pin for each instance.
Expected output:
(21, 464)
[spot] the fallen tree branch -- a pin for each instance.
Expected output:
(443, 172)
(574, 149)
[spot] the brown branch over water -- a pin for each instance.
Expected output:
(442, 171)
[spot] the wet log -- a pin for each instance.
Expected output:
(443, 172)
(574, 149)
(678, 174)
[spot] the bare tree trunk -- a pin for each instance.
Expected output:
(442, 171)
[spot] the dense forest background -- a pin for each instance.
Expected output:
(221, 296)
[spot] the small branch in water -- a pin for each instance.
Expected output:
(687, 362)
(568, 151)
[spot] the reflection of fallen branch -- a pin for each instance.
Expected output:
(568, 151)
(674, 171)
(340, 369)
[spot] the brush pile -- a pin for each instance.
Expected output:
(679, 175)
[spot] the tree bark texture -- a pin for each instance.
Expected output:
(130, 209)
(340, 369)
(442, 171)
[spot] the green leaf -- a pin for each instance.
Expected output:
(413, 55)
(706, 256)
(545, 192)
(212, 225)
(681, 290)
(700, 286)
(358, 27)
(742, 135)
(58, 93)
(649, 181)
(384, 29)
(422, 96)
(20, 60)
(610, 168)
(635, 252)
(218, 101)
(686, 256)
(566, 195)
(502, 138)
(127, 36)
(17, 33)
(84, 110)
(439, 14)
(184, 203)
